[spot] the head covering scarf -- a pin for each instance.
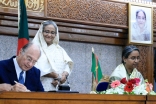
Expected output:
(143, 35)
(46, 63)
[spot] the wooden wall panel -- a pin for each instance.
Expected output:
(146, 62)
(69, 31)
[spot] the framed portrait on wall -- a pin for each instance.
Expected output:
(140, 24)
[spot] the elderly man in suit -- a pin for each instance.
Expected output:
(19, 74)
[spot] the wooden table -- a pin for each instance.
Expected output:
(67, 98)
(151, 99)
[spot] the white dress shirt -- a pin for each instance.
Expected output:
(18, 69)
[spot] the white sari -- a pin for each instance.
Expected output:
(53, 59)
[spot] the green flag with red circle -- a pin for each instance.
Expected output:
(23, 33)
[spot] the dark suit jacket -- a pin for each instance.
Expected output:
(8, 75)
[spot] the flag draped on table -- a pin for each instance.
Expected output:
(96, 69)
(23, 34)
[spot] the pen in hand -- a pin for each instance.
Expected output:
(20, 83)
(15, 82)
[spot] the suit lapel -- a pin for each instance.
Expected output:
(11, 71)
(28, 79)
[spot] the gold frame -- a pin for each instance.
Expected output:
(133, 7)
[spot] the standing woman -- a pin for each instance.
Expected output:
(130, 60)
(54, 62)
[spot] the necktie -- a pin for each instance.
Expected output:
(21, 79)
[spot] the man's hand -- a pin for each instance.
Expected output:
(19, 88)
(5, 87)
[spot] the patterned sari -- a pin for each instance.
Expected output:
(120, 72)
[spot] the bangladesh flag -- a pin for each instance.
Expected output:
(96, 69)
(23, 34)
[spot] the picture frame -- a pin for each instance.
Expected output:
(140, 24)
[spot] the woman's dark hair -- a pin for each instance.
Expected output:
(128, 50)
(50, 22)
(140, 10)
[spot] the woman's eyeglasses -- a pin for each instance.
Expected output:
(48, 32)
(30, 60)
(135, 58)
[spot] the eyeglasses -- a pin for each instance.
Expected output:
(29, 59)
(48, 32)
(135, 58)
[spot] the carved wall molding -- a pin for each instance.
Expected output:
(89, 10)
(31, 5)
(139, 1)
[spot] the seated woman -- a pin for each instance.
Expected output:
(54, 63)
(130, 60)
